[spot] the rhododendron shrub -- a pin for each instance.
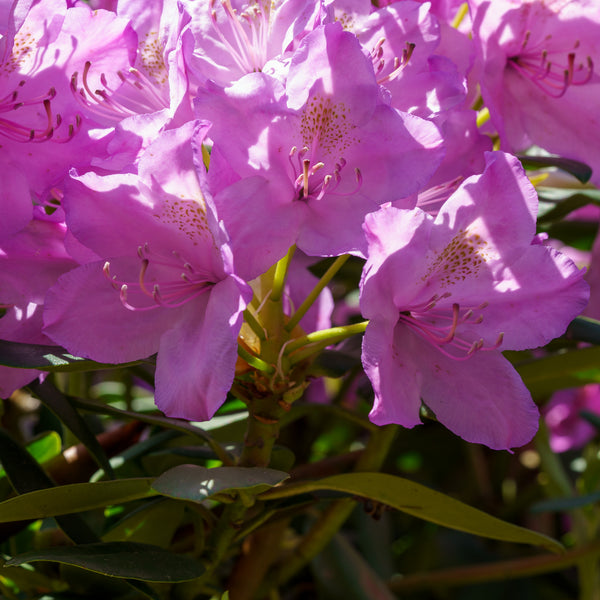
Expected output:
(247, 246)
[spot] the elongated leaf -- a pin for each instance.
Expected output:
(192, 482)
(578, 169)
(554, 211)
(590, 417)
(419, 501)
(47, 358)
(141, 525)
(568, 369)
(177, 424)
(584, 329)
(26, 476)
(561, 504)
(126, 560)
(75, 497)
(42, 449)
(64, 410)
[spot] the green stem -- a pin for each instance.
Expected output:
(311, 298)
(497, 571)
(254, 324)
(327, 336)
(336, 514)
(255, 362)
(280, 274)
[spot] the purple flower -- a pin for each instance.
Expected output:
(237, 37)
(444, 296)
(30, 263)
(535, 65)
(163, 281)
(568, 431)
(306, 161)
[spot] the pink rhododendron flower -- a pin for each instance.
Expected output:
(537, 66)
(307, 161)
(237, 37)
(30, 263)
(568, 431)
(444, 296)
(402, 42)
(164, 281)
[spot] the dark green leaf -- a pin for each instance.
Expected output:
(141, 525)
(551, 211)
(567, 369)
(28, 478)
(75, 497)
(43, 448)
(562, 504)
(419, 501)
(64, 410)
(126, 560)
(576, 168)
(192, 482)
(177, 424)
(590, 417)
(584, 329)
(46, 358)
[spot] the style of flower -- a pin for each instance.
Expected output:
(445, 296)
(537, 67)
(306, 161)
(163, 280)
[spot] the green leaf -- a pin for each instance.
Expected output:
(192, 482)
(584, 329)
(419, 501)
(26, 476)
(591, 417)
(126, 560)
(47, 358)
(567, 369)
(68, 415)
(176, 424)
(562, 504)
(75, 497)
(43, 448)
(552, 210)
(140, 525)
(574, 167)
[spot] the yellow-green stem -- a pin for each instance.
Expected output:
(326, 336)
(314, 294)
(280, 274)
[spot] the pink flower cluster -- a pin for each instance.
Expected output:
(159, 157)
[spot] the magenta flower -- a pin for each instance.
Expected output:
(402, 40)
(30, 263)
(237, 37)
(307, 161)
(568, 431)
(536, 64)
(164, 281)
(444, 296)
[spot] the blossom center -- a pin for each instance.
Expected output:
(552, 71)
(163, 282)
(440, 325)
(244, 34)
